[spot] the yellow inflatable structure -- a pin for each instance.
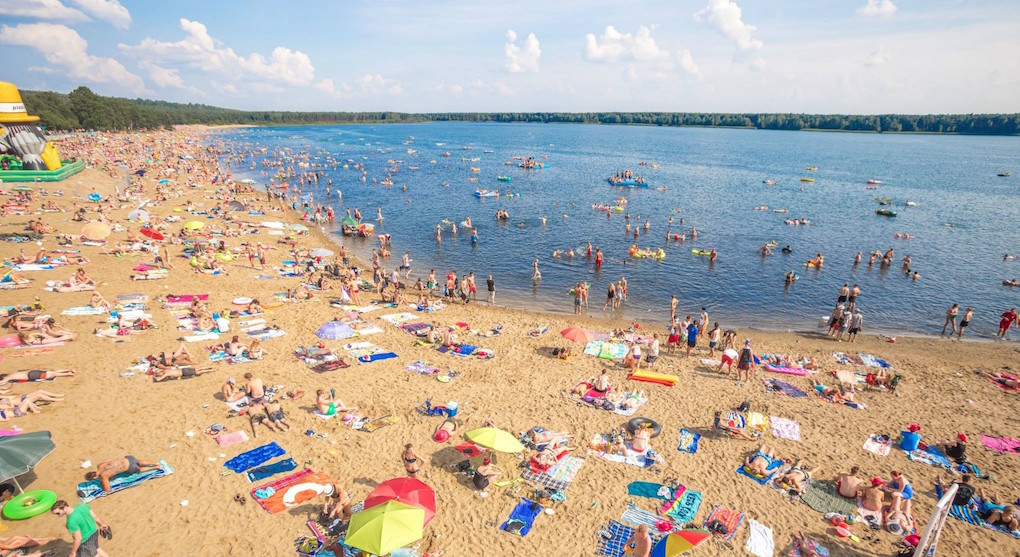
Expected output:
(25, 154)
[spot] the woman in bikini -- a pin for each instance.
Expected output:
(412, 464)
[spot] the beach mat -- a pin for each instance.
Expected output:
(650, 490)
(784, 428)
(522, 518)
(685, 506)
(368, 358)
(254, 457)
(970, 515)
(930, 455)
(821, 496)
(612, 537)
(760, 542)
(878, 446)
(781, 387)
(688, 442)
(306, 481)
(229, 439)
(776, 464)
(559, 475)
(1000, 444)
(268, 470)
(729, 518)
(93, 489)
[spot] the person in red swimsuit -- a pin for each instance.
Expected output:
(1008, 318)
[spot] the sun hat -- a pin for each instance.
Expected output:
(441, 436)
(328, 489)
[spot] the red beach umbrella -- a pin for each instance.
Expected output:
(150, 233)
(576, 334)
(409, 491)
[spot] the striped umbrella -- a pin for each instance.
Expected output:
(680, 542)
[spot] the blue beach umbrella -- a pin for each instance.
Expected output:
(335, 330)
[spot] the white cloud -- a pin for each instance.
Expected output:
(366, 85)
(41, 69)
(162, 77)
(613, 46)
(107, 10)
(727, 18)
(41, 9)
(442, 87)
(521, 59)
(477, 86)
(877, 8)
(200, 50)
(878, 57)
(686, 62)
(62, 46)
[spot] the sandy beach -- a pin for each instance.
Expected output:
(107, 414)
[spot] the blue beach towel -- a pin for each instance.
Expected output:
(650, 490)
(265, 471)
(522, 518)
(688, 442)
(611, 545)
(376, 357)
(93, 489)
(685, 509)
(464, 350)
(776, 463)
(930, 455)
(970, 515)
(254, 457)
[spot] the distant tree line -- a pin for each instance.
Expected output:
(82, 108)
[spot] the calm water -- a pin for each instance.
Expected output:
(714, 180)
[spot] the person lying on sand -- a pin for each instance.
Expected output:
(34, 375)
(798, 478)
(15, 407)
(277, 419)
(444, 430)
(1002, 379)
(183, 372)
(548, 456)
(539, 436)
(807, 546)
(625, 400)
(759, 462)
(105, 471)
(56, 333)
(641, 439)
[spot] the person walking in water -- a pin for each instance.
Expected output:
(610, 297)
(535, 274)
(950, 323)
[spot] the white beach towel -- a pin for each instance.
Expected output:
(760, 541)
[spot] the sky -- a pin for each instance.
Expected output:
(811, 56)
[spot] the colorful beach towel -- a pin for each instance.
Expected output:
(759, 541)
(290, 491)
(266, 470)
(685, 507)
(93, 489)
(558, 476)
(970, 515)
(930, 455)
(637, 517)
(781, 387)
(785, 429)
(1001, 444)
(688, 442)
(761, 480)
(254, 457)
(612, 538)
(821, 495)
(730, 520)
(878, 445)
(522, 518)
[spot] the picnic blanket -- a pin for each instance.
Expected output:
(878, 445)
(762, 480)
(1001, 444)
(612, 537)
(684, 506)
(821, 495)
(930, 455)
(522, 518)
(558, 476)
(785, 428)
(254, 457)
(730, 519)
(688, 442)
(267, 470)
(781, 387)
(290, 491)
(93, 489)
(759, 541)
(970, 515)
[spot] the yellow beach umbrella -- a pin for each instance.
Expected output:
(383, 528)
(495, 439)
(194, 225)
(96, 231)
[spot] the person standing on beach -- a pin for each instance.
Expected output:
(84, 527)
(713, 339)
(967, 315)
(844, 293)
(1006, 319)
(472, 287)
(642, 542)
(692, 338)
(856, 324)
(610, 297)
(745, 362)
(490, 285)
(577, 299)
(622, 290)
(703, 320)
(951, 320)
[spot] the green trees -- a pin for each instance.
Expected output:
(82, 108)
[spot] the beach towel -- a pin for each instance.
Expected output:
(877, 445)
(821, 495)
(756, 420)
(970, 515)
(522, 518)
(650, 490)
(422, 368)
(762, 480)
(637, 517)
(93, 489)
(873, 361)
(463, 350)
(266, 334)
(1000, 445)
(930, 455)
(685, 507)
(1002, 385)
(201, 337)
(558, 476)
(730, 520)
(593, 348)
(781, 387)
(228, 439)
(290, 491)
(815, 546)
(759, 541)
(397, 318)
(267, 470)
(612, 537)
(368, 358)
(254, 457)
(785, 429)
(711, 363)
(83, 310)
(688, 442)
(613, 351)
(379, 423)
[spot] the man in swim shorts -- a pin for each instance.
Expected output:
(105, 471)
(33, 376)
(760, 461)
(85, 528)
(728, 357)
(277, 419)
(1006, 319)
(183, 372)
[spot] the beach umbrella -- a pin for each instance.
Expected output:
(348, 221)
(248, 181)
(138, 215)
(194, 225)
(495, 439)
(680, 542)
(335, 330)
(151, 234)
(385, 527)
(140, 172)
(576, 334)
(235, 206)
(298, 227)
(20, 453)
(163, 181)
(321, 252)
(410, 491)
(96, 231)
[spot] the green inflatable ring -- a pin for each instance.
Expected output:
(27, 505)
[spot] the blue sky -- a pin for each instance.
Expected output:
(845, 56)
